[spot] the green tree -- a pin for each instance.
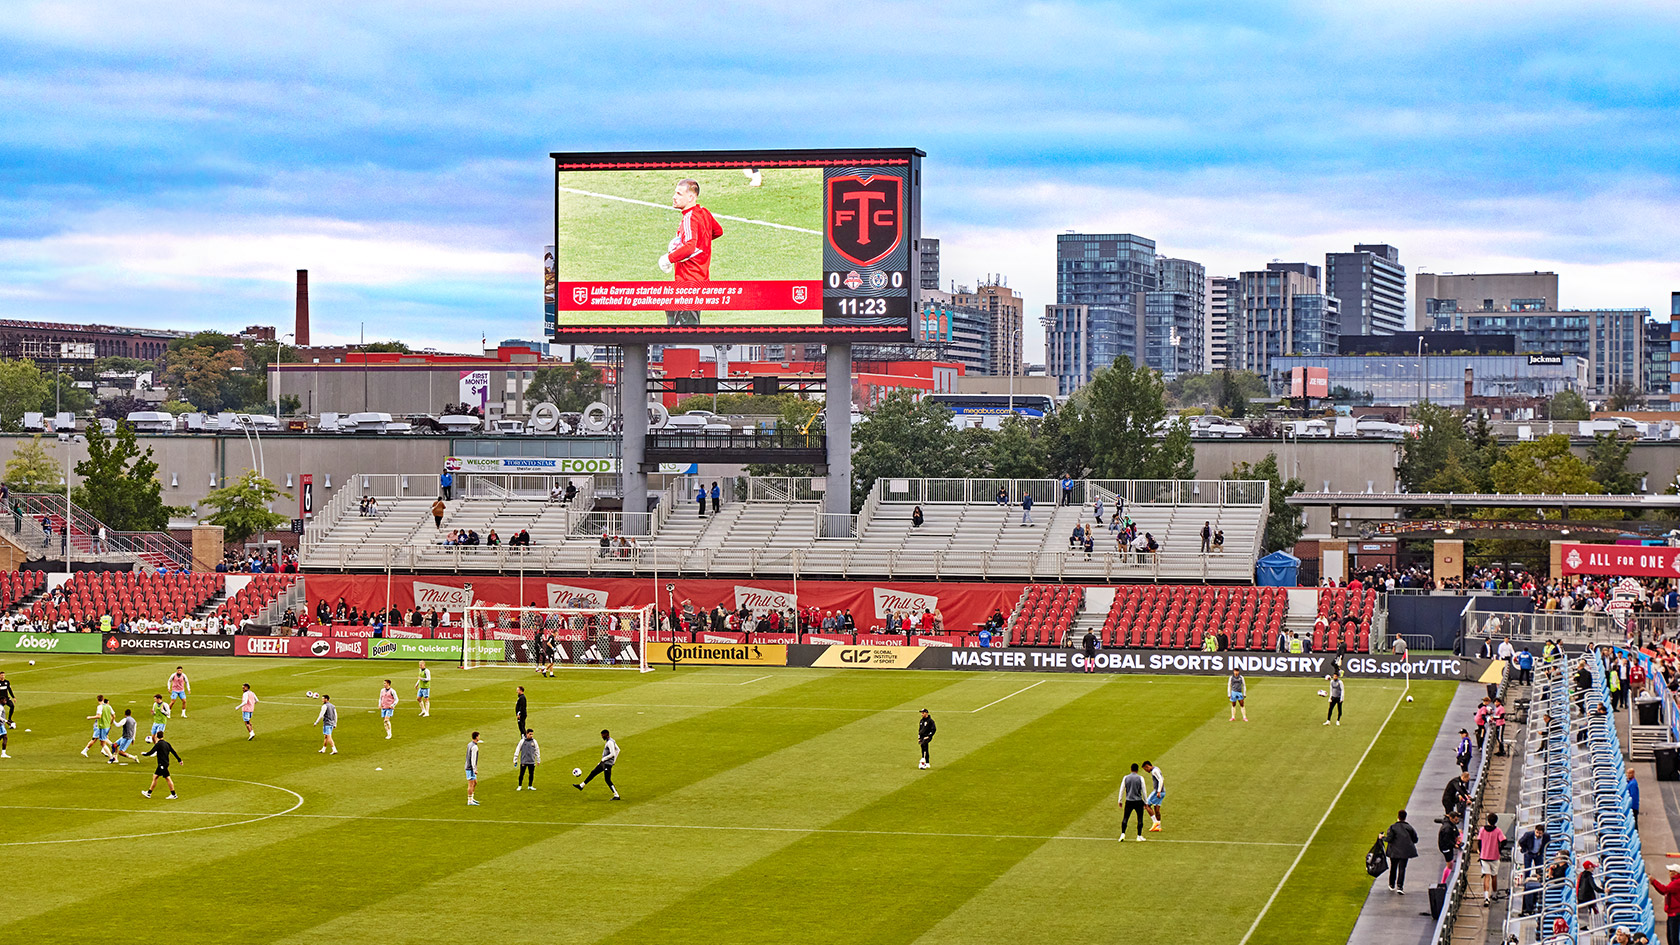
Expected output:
(117, 364)
(1283, 524)
(571, 387)
(1112, 424)
(1442, 458)
(63, 394)
(119, 483)
(120, 406)
(905, 438)
(1215, 390)
(1568, 405)
(1608, 458)
(1019, 450)
(32, 470)
(242, 507)
(1626, 396)
(22, 388)
(386, 347)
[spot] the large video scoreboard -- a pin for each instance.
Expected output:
(710, 245)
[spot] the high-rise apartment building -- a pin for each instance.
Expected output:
(1175, 318)
(1002, 307)
(957, 333)
(1067, 341)
(1612, 340)
(1224, 300)
(1109, 274)
(1443, 301)
(1674, 351)
(1370, 286)
(929, 264)
(1282, 312)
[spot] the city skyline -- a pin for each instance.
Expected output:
(173, 167)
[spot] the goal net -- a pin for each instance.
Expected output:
(529, 637)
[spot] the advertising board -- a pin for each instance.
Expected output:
(736, 243)
(169, 644)
(18, 642)
(718, 654)
(448, 650)
(303, 647)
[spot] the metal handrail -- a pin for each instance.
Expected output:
(149, 549)
(1458, 880)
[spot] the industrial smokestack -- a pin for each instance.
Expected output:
(302, 338)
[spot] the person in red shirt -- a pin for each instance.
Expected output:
(1671, 901)
(689, 253)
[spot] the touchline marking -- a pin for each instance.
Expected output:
(1333, 801)
(609, 824)
(165, 833)
(1010, 696)
(311, 672)
(666, 206)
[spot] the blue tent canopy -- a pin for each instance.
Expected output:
(1277, 569)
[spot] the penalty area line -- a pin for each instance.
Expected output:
(1010, 696)
(1321, 821)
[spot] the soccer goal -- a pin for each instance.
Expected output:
(527, 637)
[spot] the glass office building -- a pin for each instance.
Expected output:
(1398, 380)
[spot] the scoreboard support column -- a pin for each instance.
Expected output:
(837, 418)
(632, 399)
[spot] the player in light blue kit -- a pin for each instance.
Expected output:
(1237, 690)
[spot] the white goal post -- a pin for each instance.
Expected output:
(529, 637)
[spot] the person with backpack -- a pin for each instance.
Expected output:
(1401, 843)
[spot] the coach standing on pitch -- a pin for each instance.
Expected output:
(519, 711)
(925, 730)
(1131, 801)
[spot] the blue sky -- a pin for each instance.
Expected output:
(170, 164)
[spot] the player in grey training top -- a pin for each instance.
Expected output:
(1131, 800)
(1237, 690)
(1335, 693)
(328, 720)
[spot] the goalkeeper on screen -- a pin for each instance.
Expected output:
(689, 254)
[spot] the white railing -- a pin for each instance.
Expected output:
(1211, 492)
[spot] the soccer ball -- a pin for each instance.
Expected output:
(1408, 698)
(577, 772)
(32, 662)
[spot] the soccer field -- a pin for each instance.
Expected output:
(759, 806)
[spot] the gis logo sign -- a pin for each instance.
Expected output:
(865, 216)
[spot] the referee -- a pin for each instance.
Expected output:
(924, 735)
(519, 711)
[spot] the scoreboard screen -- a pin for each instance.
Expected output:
(668, 246)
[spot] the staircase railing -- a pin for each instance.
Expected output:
(149, 549)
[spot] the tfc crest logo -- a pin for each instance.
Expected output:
(799, 295)
(580, 294)
(1574, 558)
(865, 216)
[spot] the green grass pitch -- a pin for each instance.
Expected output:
(601, 239)
(759, 806)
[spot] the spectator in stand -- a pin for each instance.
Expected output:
(717, 499)
(1002, 496)
(1207, 537)
(437, 513)
(1586, 889)
(700, 501)
(916, 517)
(1219, 541)
(446, 484)
(493, 540)
(1633, 796)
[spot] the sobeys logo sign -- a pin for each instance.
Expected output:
(21, 642)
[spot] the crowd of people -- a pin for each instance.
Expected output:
(273, 561)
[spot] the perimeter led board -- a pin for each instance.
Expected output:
(667, 246)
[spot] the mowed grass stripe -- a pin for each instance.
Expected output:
(888, 888)
(1322, 898)
(1265, 781)
(421, 775)
(632, 873)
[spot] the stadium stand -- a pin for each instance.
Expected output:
(16, 586)
(774, 526)
(255, 597)
(1181, 617)
(149, 550)
(1045, 613)
(126, 595)
(1573, 781)
(1340, 606)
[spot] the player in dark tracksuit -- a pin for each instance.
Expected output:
(519, 711)
(924, 734)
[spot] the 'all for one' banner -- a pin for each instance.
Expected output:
(964, 606)
(1621, 560)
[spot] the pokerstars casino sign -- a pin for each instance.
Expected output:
(168, 644)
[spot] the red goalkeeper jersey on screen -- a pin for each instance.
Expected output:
(691, 248)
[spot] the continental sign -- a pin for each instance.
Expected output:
(869, 657)
(21, 642)
(718, 654)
